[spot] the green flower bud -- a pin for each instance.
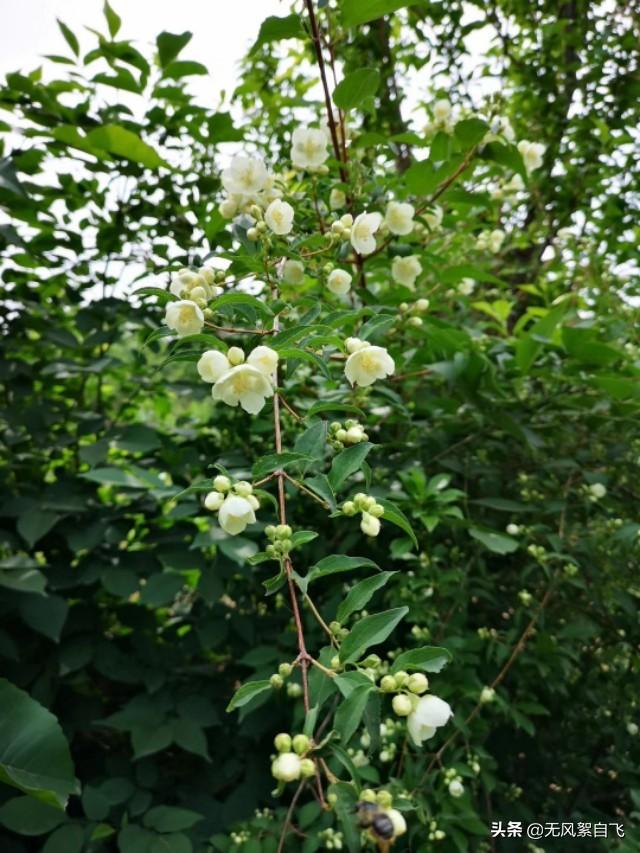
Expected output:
(388, 684)
(243, 489)
(384, 799)
(372, 660)
(221, 483)
(283, 531)
(282, 742)
(335, 627)
(402, 705)
(368, 795)
(332, 798)
(294, 690)
(349, 508)
(377, 510)
(335, 662)
(270, 551)
(252, 234)
(285, 670)
(270, 531)
(276, 681)
(301, 744)
(401, 677)
(307, 768)
(418, 683)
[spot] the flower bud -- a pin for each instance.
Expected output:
(255, 211)
(243, 488)
(347, 220)
(349, 508)
(335, 662)
(294, 690)
(372, 660)
(285, 670)
(235, 356)
(213, 501)
(418, 683)
(415, 321)
(487, 694)
(283, 531)
(359, 500)
(301, 744)
(388, 684)
(401, 677)
(402, 705)
(377, 510)
(252, 234)
(456, 788)
(513, 529)
(370, 525)
(341, 435)
(384, 799)
(307, 768)
(286, 767)
(221, 483)
(253, 500)
(276, 681)
(228, 208)
(332, 798)
(282, 742)
(270, 531)
(368, 795)
(422, 304)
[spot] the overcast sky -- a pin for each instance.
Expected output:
(222, 31)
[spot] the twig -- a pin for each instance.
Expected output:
(287, 820)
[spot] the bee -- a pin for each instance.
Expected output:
(371, 817)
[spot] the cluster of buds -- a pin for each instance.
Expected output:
(278, 678)
(410, 313)
(490, 240)
(341, 227)
(240, 837)
(538, 552)
(422, 632)
(525, 597)
(487, 633)
(410, 686)
(280, 542)
(235, 503)
(331, 839)
(454, 782)
(199, 286)
(292, 762)
(595, 492)
(350, 433)
(435, 834)
(371, 512)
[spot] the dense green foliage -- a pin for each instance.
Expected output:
(504, 449)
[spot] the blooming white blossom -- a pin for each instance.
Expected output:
(442, 111)
(293, 272)
(430, 712)
(339, 282)
(184, 317)
(398, 821)
(531, 153)
(212, 364)
(182, 281)
(279, 216)
(466, 287)
(286, 767)
(245, 385)
(405, 270)
(491, 240)
(308, 148)
(363, 232)
(264, 359)
(235, 514)
(367, 364)
(337, 199)
(398, 217)
(434, 217)
(456, 788)
(245, 175)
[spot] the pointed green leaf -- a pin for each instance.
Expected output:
(370, 631)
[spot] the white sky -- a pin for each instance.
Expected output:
(222, 31)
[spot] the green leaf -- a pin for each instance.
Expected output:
(46, 615)
(317, 408)
(321, 486)
(66, 839)
(499, 543)
(278, 461)
(334, 564)
(530, 344)
(124, 143)
(246, 693)
(69, 37)
(27, 816)
(581, 345)
(426, 659)
(356, 12)
(370, 631)
(351, 710)
(274, 28)
(35, 523)
(313, 440)
(355, 88)
(113, 20)
(149, 740)
(170, 819)
(177, 70)
(234, 299)
(397, 517)
(22, 574)
(191, 738)
(505, 155)
(470, 131)
(170, 45)
(361, 594)
(161, 589)
(347, 462)
(34, 754)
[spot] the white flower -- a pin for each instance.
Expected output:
(213, 501)
(398, 821)
(434, 219)
(428, 715)
(491, 240)
(286, 767)
(367, 364)
(279, 216)
(598, 490)
(466, 286)
(442, 111)
(182, 281)
(234, 514)
(212, 364)
(456, 788)
(399, 217)
(531, 153)
(184, 317)
(339, 282)
(245, 175)
(293, 272)
(337, 199)
(405, 270)
(370, 525)
(363, 232)
(264, 359)
(516, 184)
(244, 384)
(308, 148)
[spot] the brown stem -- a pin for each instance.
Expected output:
(287, 820)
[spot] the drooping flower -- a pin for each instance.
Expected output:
(279, 217)
(212, 364)
(308, 148)
(184, 317)
(399, 217)
(264, 359)
(531, 153)
(370, 525)
(235, 514)
(430, 713)
(405, 270)
(363, 232)
(339, 282)
(442, 111)
(245, 385)
(367, 364)
(245, 175)
(398, 821)
(287, 767)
